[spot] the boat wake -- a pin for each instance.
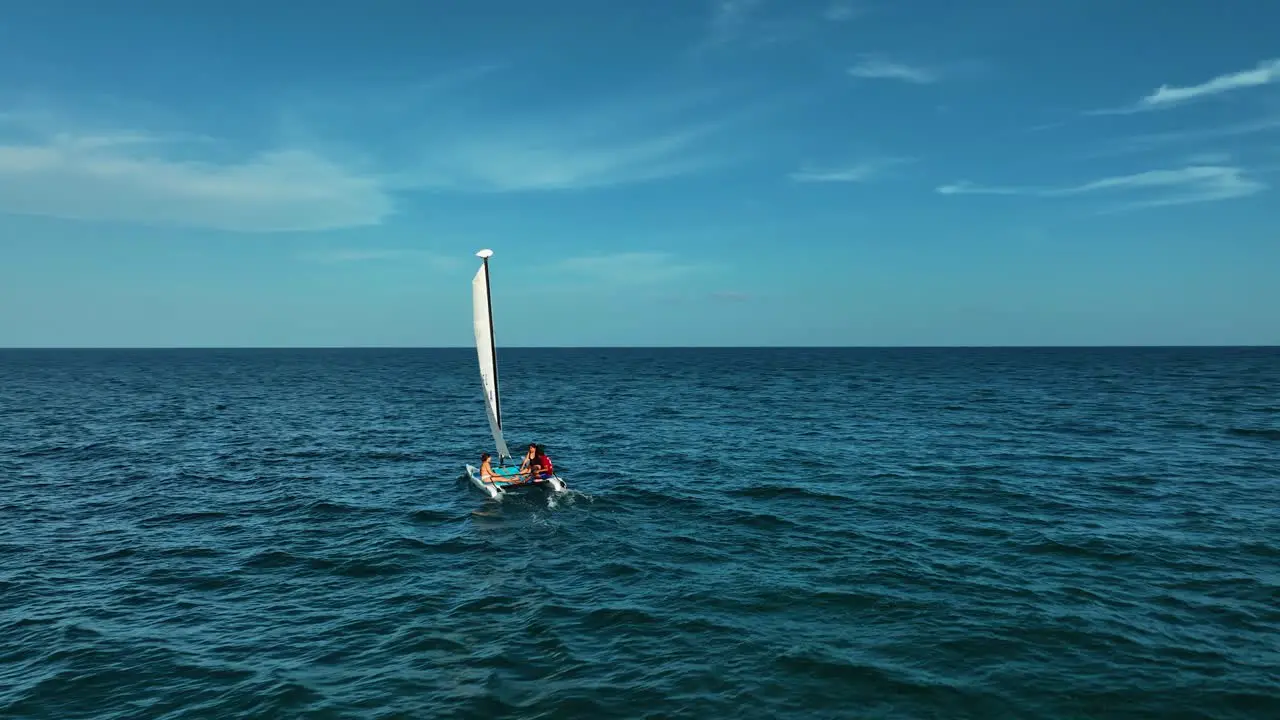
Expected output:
(568, 498)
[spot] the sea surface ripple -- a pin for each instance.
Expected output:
(790, 533)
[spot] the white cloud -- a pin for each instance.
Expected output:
(964, 187)
(873, 68)
(1200, 182)
(1265, 73)
(1169, 96)
(860, 172)
(125, 177)
(1191, 184)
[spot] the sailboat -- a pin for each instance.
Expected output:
(487, 353)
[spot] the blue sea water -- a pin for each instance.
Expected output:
(790, 533)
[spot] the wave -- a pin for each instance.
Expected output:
(1009, 556)
(1264, 433)
(788, 492)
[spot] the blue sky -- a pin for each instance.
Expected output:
(672, 172)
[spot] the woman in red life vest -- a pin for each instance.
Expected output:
(541, 465)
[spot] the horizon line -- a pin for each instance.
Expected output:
(640, 347)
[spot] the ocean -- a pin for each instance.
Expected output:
(750, 533)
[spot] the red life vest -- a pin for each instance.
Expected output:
(543, 464)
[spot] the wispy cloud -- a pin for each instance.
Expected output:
(859, 172)
(363, 255)
(966, 187)
(627, 267)
(469, 137)
(1191, 184)
(1149, 141)
(1209, 158)
(620, 141)
(346, 256)
(844, 10)
(753, 25)
(326, 173)
(547, 159)
(729, 19)
(877, 68)
(1169, 96)
(138, 177)
(1265, 73)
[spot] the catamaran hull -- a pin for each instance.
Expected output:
(554, 483)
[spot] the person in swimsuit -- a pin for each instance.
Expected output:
(526, 463)
(486, 469)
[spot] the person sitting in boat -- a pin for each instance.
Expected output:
(486, 469)
(526, 463)
(541, 465)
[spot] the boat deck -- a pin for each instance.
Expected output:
(509, 474)
(510, 482)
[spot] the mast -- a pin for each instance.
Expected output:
(488, 296)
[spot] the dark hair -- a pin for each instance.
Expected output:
(484, 456)
(541, 450)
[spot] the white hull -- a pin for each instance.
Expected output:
(554, 483)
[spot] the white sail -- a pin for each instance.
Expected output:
(487, 354)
